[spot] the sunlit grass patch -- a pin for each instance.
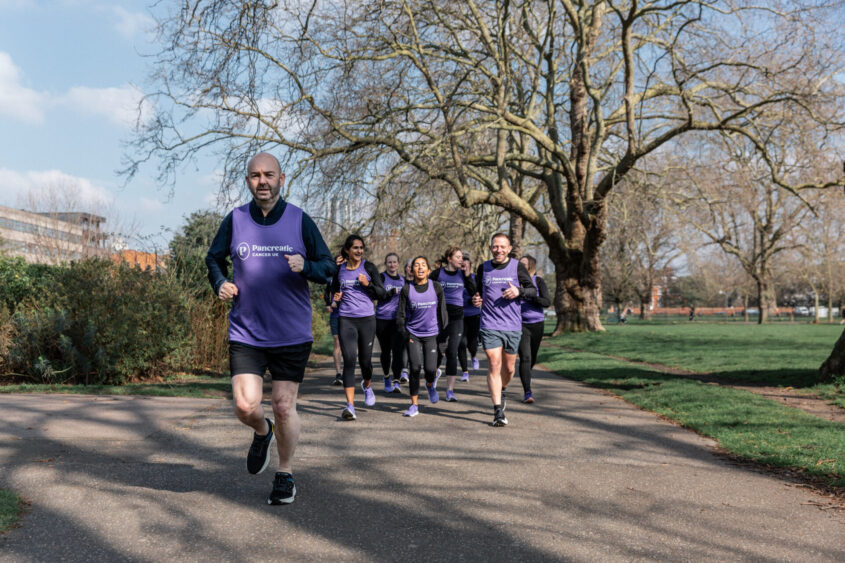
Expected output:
(748, 425)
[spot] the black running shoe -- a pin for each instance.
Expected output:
(499, 418)
(338, 380)
(259, 452)
(284, 491)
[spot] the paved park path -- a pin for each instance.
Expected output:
(579, 475)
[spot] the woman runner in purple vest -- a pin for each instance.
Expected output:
(420, 317)
(331, 307)
(533, 322)
(472, 320)
(501, 282)
(355, 286)
(409, 279)
(451, 277)
(389, 341)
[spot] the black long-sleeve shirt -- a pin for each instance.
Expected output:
(319, 263)
(543, 298)
(375, 290)
(526, 288)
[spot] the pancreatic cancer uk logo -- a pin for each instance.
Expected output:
(243, 251)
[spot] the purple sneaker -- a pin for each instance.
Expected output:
(348, 412)
(413, 410)
(433, 397)
(369, 396)
(529, 398)
(388, 386)
(465, 377)
(450, 396)
(475, 363)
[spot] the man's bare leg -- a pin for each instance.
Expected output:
(247, 390)
(287, 421)
(508, 367)
(494, 374)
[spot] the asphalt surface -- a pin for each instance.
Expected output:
(579, 475)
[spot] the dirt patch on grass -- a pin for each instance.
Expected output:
(788, 396)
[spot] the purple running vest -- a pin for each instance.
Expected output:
(355, 302)
(421, 312)
(531, 312)
(386, 310)
(273, 305)
(498, 313)
(453, 287)
(470, 310)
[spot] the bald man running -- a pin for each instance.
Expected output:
(275, 248)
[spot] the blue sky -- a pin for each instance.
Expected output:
(71, 73)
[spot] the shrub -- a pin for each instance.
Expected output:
(22, 283)
(100, 323)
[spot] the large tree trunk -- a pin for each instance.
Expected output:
(835, 365)
(829, 306)
(765, 300)
(577, 299)
(578, 278)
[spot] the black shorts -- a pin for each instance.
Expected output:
(286, 363)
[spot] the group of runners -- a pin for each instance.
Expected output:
(430, 315)
(420, 317)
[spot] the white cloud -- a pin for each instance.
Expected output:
(150, 205)
(118, 105)
(130, 24)
(16, 100)
(49, 188)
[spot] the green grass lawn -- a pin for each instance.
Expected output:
(745, 424)
(199, 386)
(776, 354)
(10, 509)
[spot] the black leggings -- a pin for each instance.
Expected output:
(532, 334)
(356, 340)
(469, 340)
(422, 354)
(391, 345)
(452, 338)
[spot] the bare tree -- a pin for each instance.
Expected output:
(732, 201)
(821, 245)
(477, 96)
(650, 230)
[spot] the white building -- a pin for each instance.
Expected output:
(50, 238)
